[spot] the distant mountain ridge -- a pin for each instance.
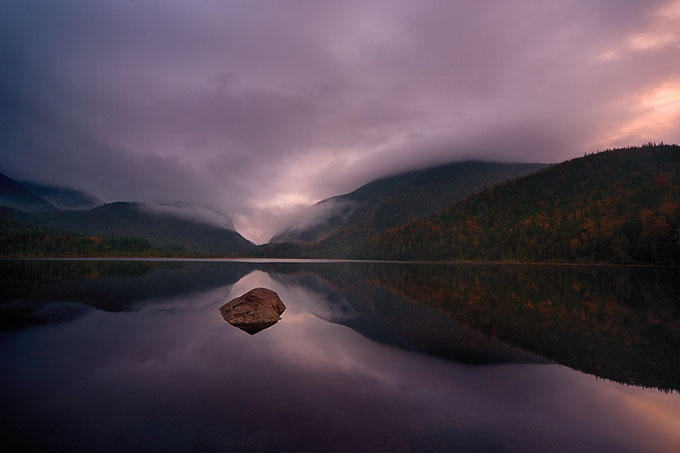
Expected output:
(620, 206)
(124, 219)
(392, 201)
(15, 195)
(63, 197)
(616, 206)
(35, 225)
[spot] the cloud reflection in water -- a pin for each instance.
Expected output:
(174, 376)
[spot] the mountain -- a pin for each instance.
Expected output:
(14, 195)
(350, 219)
(620, 206)
(115, 229)
(191, 211)
(21, 235)
(31, 225)
(63, 197)
(161, 229)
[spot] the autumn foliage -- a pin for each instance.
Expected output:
(619, 206)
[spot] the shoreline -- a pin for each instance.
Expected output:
(321, 261)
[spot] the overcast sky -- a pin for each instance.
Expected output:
(258, 107)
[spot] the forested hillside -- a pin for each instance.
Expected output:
(21, 236)
(127, 228)
(351, 219)
(620, 206)
(161, 230)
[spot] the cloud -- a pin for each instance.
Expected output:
(323, 216)
(255, 108)
(190, 211)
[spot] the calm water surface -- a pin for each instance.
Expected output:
(134, 356)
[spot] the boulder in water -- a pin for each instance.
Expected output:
(254, 311)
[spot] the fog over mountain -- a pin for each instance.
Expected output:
(63, 197)
(256, 110)
(388, 202)
(191, 212)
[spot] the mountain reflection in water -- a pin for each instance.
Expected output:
(135, 355)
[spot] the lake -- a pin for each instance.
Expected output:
(133, 355)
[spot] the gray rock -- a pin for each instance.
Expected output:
(254, 311)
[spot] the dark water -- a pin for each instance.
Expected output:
(135, 356)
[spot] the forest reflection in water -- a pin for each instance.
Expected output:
(617, 323)
(620, 323)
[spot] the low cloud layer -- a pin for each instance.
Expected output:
(190, 211)
(257, 108)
